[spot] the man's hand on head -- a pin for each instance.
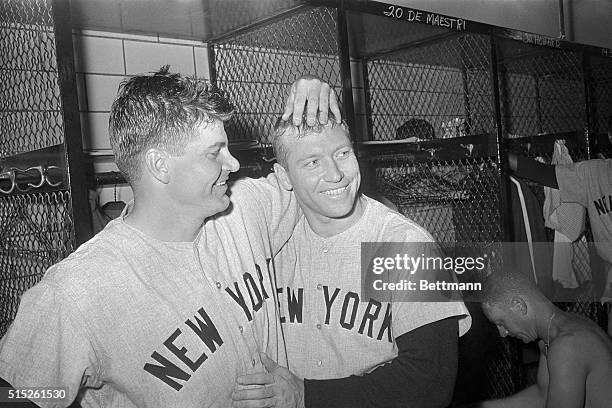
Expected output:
(320, 97)
(277, 388)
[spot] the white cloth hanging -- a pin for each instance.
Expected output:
(529, 236)
(567, 219)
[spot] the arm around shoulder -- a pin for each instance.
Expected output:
(265, 202)
(422, 375)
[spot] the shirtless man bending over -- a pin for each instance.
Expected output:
(575, 367)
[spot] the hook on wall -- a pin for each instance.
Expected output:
(23, 180)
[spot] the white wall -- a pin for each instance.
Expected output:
(586, 21)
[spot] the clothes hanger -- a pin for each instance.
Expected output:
(113, 209)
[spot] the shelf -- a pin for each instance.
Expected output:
(457, 148)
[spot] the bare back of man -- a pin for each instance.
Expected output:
(575, 371)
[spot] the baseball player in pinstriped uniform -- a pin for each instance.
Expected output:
(156, 311)
(352, 352)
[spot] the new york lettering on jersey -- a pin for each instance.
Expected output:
(343, 309)
(603, 205)
(247, 294)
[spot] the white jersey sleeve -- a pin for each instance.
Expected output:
(408, 316)
(264, 202)
(52, 328)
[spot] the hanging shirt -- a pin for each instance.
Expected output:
(589, 183)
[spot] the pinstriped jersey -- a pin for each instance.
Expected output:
(330, 331)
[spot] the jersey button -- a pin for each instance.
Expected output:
(319, 286)
(319, 326)
(241, 329)
(218, 285)
(319, 363)
(325, 250)
(253, 362)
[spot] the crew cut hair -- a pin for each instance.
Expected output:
(500, 287)
(284, 128)
(160, 110)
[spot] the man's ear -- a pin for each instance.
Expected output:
(518, 305)
(156, 164)
(283, 177)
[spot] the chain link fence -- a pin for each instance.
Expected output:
(257, 67)
(435, 84)
(600, 104)
(35, 227)
(541, 90)
(454, 200)
(30, 107)
(34, 234)
(428, 93)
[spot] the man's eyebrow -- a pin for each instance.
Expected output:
(218, 145)
(302, 159)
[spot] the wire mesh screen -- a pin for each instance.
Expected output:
(601, 93)
(436, 83)
(30, 107)
(257, 67)
(541, 90)
(600, 104)
(35, 233)
(456, 201)
(36, 229)
(436, 90)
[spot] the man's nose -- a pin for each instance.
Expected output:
(230, 163)
(333, 172)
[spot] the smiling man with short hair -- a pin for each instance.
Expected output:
(352, 352)
(173, 300)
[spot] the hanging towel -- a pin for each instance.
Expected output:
(567, 219)
(528, 234)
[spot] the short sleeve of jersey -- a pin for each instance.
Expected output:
(46, 347)
(263, 201)
(408, 316)
(571, 180)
